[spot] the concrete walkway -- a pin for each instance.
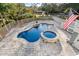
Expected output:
(59, 22)
(11, 45)
(66, 48)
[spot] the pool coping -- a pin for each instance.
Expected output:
(50, 39)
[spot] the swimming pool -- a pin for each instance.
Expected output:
(49, 34)
(34, 34)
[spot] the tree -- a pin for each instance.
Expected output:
(50, 8)
(11, 12)
(16, 10)
(3, 9)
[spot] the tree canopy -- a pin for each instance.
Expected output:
(58, 8)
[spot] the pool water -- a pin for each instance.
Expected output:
(33, 34)
(49, 34)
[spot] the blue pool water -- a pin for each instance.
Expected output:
(33, 34)
(49, 34)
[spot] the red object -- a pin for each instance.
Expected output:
(70, 20)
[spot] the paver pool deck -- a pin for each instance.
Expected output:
(13, 46)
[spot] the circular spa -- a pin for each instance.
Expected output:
(33, 34)
(49, 36)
